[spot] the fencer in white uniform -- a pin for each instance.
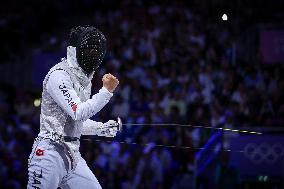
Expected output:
(67, 105)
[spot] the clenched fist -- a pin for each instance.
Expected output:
(110, 82)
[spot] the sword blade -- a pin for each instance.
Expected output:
(192, 126)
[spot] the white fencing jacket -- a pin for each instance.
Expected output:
(66, 104)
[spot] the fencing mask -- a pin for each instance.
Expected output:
(90, 46)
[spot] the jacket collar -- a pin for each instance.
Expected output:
(71, 57)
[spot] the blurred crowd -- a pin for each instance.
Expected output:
(174, 66)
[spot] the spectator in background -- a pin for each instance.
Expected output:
(120, 108)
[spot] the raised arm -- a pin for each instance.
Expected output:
(60, 87)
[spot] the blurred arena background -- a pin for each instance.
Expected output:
(201, 62)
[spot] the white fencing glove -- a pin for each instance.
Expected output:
(108, 129)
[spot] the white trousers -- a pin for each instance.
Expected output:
(50, 168)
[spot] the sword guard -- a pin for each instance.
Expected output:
(119, 124)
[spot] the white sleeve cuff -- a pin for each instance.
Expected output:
(106, 92)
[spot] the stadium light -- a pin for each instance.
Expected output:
(37, 102)
(224, 17)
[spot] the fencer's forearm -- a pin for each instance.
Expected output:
(90, 127)
(87, 109)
